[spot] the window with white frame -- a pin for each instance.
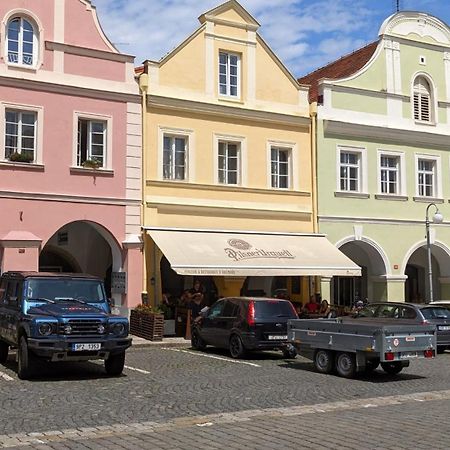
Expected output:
(174, 157)
(390, 174)
(426, 177)
(91, 142)
(279, 167)
(422, 100)
(229, 74)
(21, 42)
(229, 162)
(350, 171)
(20, 135)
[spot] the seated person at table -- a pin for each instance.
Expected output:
(325, 309)
(312, 306)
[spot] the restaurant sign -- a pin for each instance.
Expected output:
(240, 250)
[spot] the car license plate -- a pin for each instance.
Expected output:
(405, 355)
(277, 338)
(444, 327)
(86, 347)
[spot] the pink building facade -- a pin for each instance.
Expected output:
(70, 152)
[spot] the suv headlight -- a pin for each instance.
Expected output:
(118, 328)
(45, 329)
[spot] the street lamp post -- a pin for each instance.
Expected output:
(437, 218)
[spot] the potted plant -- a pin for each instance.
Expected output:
(147, 322)
(21, 157)
(91, 163)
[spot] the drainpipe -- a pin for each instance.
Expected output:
(313, 116)
(143, 84)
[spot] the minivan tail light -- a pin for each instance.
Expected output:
(251, 313)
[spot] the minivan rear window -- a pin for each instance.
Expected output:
(274, 308)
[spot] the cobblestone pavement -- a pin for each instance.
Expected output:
(175, 398)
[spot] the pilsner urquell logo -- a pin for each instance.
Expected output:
(243, 250)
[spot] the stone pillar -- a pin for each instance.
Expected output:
(445, 288)
(395, 288)
(133, 268)
(325, 289)
(20, 251)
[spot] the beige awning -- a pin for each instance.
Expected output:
(205, 252)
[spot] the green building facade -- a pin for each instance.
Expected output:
(383, 156)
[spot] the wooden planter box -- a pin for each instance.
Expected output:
(147, 326)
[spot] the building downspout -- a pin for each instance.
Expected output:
(313, 116)
(143, 84)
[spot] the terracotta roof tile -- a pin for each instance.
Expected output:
(341, 68)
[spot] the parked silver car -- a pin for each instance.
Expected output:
(435, 314)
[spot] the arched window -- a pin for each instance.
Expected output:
(21, 42)
(422, 100)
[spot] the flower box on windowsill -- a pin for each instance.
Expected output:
(20, 158)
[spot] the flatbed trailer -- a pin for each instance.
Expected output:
(349, 345)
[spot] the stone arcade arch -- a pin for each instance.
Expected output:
(415, 267)
(83, 246)
(374, 266)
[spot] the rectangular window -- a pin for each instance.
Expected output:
(350, 171)
(279, 167)
(91, 144)
(20, 135)
(174, 157)
(229, 74)
(426, 172)
(389, 176)
(229, 163)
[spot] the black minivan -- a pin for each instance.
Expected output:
(242, 323)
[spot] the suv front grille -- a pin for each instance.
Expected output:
(80, 327)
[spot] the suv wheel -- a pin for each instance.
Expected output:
(25, 360)
(114, 364)
(237, 349)
(197, 342)
(4, 347)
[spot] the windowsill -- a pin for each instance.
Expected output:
(100, 172)
(393, 197)
(423, 122)
(428, 200)
(22, 165)
(351, 194)
(21, 67)
(237, 100)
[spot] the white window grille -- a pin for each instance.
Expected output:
(21, 42)
(350, 171)
(229, 74)
(280, 168)
(389, 176)
(426, 172)
(174, 157)
(20, 135)
(229, 163)
(91, 148)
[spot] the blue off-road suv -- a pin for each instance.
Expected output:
(59, 317)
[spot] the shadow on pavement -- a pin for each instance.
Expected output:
(64, 371)
(378, 376)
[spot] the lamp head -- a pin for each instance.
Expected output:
(438, 217)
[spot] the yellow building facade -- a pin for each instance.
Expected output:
(227, 147)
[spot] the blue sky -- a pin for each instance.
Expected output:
(305, 34)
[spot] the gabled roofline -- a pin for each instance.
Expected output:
(93, 9)
(212, 13)
(280, 64)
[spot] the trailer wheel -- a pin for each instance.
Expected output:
(324, 361)
(392, 368)
(346, 364)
